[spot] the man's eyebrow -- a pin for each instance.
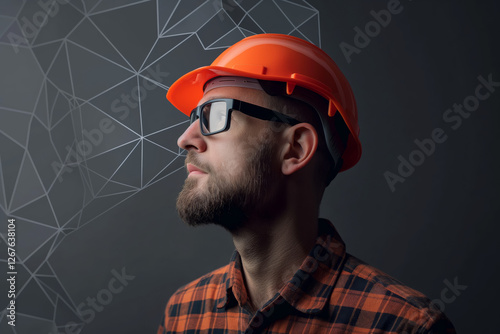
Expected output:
(215, 98)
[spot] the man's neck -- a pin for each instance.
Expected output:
(272, 251)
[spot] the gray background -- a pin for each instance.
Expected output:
(113, 208)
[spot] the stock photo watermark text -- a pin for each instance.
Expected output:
(93, 305)
(453, 118)
(373, 28)
(30, 27)
(11, 271)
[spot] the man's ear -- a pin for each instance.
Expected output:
(301, 142)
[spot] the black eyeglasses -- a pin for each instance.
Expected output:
(215, 115)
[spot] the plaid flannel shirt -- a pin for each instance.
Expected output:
(332, 292)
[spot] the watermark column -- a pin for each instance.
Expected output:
(11, 271)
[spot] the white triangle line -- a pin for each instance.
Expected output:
(227, 33)
(147, 56)
(118, 193)
(94, 6)
(281, 10)
(168, 20)
(28, 203)
(171, 162)
(110, 208)
(4, 204)
(187, 16)
(116, 120)
(101, 56)
(112, 45)
(160, 179)
(119, 7)
(163, 148)
(14, 191)
(167, 128)
(12, 139)
(299, 5)
(118, 168)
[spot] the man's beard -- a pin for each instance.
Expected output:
(225, 200)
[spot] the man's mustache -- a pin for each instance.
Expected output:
(193, 159)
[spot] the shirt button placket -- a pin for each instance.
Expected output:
(256, 325)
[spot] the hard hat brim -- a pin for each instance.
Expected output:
(187, 91)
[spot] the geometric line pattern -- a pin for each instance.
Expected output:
(99, 129)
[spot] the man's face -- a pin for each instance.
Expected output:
(229, 172)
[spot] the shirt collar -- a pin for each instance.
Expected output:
(232, 287)
(309, 289)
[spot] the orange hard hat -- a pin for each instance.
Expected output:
(284, 58)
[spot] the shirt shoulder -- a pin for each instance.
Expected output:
(383, 301)
(190, 302)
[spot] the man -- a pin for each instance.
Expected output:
(273, 120)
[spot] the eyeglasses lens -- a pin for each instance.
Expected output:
(214, 116)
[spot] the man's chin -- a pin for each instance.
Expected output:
(223, 199)
(199, 211)
(229, 226)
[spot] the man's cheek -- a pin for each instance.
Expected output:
(229, 167)
(230, 163)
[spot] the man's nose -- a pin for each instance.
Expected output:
(192, 139)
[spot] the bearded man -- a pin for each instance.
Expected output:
(273, 120)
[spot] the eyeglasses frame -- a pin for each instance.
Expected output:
(246, 108)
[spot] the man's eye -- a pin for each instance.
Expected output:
(217, 116)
